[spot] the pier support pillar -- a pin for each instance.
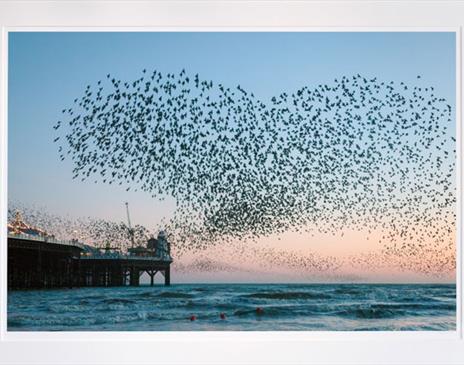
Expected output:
(152, 274)
(69, 273)
(167, 277)
(134, 277)
(39, 279)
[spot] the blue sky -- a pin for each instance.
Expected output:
(47, 71)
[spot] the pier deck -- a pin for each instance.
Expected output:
(41, 262)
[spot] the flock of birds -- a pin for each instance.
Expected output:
(357, 153)
(93, 231)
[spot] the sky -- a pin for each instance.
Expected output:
(47, 71)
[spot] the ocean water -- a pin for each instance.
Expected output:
(295, 307)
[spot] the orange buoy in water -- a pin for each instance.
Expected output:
(259, 310)
(222, 315)
(193, 318)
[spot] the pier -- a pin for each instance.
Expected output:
(39, 262)
(124, 270)
(42, 262)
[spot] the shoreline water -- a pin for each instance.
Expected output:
(285, 307)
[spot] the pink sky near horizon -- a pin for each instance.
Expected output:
(245, 261)
(344, 247)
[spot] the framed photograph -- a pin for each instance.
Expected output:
(231, 182)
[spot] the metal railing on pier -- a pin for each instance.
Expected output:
(93, 255)
(125, 257)
(47, 239)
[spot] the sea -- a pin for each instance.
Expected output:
(244, 307)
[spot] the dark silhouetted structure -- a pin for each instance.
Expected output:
(37, 261)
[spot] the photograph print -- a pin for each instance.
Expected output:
(231, 181)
